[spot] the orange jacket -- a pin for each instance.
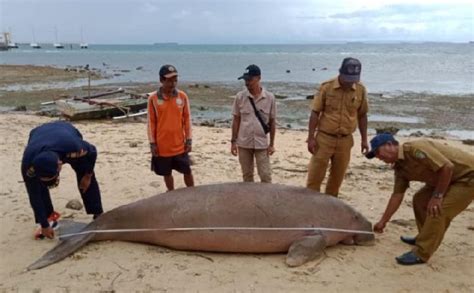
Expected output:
(169, 122)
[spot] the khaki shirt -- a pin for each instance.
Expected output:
(420, 160)
(251, 134)
(340, 108)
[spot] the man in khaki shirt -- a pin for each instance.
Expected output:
(448, 174)
(249, 138)
(340, 106)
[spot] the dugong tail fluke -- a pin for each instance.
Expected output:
(64, 248)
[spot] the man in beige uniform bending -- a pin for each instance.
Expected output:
(254, 112)
(340, 106)
(448, 174)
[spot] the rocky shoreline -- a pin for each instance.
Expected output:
(419, 114)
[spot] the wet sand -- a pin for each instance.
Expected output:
(27, 74)
(432, 114)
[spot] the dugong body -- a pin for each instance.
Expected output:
(236, 207)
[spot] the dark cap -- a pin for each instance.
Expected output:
(350, 70)
(378, 141)
(46, 164)
(251, 71)
(167, 71)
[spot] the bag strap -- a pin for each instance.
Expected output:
(260, 119)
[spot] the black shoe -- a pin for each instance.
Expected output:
(408, 240)
(409, 258)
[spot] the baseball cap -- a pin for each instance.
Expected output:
(378, 141)
(250, 71)
(350, 70)
(46, 164)
(168, 71)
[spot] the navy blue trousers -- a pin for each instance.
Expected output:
(40, 198)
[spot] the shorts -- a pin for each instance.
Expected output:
(164, 165)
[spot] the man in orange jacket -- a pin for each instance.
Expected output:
(169, 129)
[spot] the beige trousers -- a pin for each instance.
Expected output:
(431, 230)
(261, 157)
(334, 150)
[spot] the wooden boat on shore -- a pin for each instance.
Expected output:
(100, 107)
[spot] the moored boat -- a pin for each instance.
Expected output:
(98, 107)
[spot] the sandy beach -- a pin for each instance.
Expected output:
(123, 172)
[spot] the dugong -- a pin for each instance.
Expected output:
(228, 217)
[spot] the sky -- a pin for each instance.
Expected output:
(237, 22)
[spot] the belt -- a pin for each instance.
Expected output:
(334, 135)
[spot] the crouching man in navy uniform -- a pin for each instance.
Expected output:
(49, 147)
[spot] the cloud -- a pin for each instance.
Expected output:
(406, 10)
(410, 22)
(181, 14)
(149, 7)
(244, 21)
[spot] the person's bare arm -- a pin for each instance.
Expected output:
(444, 175)
(235, 132)
(271, 147)
(362, 119)
(392, 206)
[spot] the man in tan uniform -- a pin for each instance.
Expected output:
(340, 106)
(449, 177)
(254, 113)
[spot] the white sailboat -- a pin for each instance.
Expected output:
(34, 45)
(57, 44)
(83, 45)
(12, 45)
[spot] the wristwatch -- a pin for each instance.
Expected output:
(437, 194)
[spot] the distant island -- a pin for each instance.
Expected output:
(166, 44)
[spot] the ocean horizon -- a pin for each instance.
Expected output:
(390, 68)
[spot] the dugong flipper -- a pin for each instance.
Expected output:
(305, 249)
(229, 217)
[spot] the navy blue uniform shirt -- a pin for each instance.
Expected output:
(63, 139)
(66, 141)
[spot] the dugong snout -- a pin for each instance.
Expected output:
(365, 238)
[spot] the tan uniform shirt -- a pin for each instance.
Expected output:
(420, 160)
(340, 108)
(251, 134)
